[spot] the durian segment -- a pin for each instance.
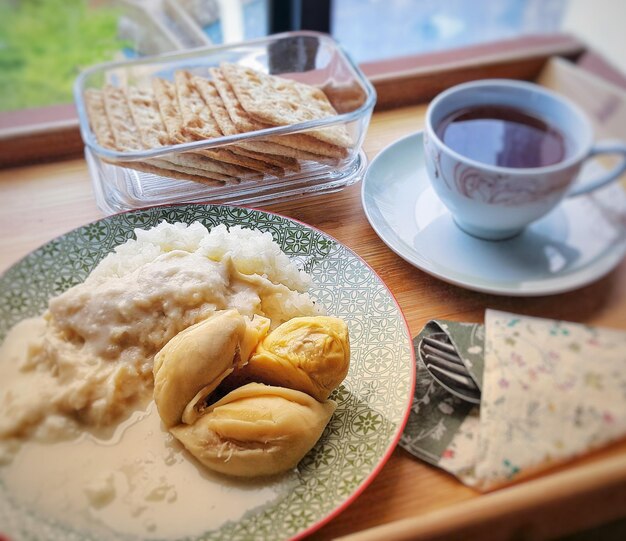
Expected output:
(255, 330)
(193, 363)
(309, 354)
(256, 430)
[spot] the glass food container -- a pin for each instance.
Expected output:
(120, 183)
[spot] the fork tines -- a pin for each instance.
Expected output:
(447, 368)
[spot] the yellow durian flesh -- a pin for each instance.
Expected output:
(193, 363)
(254, 331)
(256, 430)
(309, 354)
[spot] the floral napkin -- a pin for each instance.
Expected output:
(551, 391)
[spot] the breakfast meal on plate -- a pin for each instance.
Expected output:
(234, 100)
(172, 319)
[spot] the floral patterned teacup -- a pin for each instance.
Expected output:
(494, 202)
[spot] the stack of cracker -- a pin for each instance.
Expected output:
(235, 100)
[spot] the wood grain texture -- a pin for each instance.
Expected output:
(51, 142)
(43, 201)
(520, 512)
(420, 78)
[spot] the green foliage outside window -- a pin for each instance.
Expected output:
(44, 44)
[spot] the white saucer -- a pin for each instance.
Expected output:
(581, 240)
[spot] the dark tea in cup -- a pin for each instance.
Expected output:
(503, 136)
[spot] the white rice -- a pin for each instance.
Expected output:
(252, 252)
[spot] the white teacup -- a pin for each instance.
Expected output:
(493, 202)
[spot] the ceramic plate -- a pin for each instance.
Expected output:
(578, 242)
(373, 402)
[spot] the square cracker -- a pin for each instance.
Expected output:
(182, 166)
(197, 119)
(282, 102)
(165, 95)
(227, 125)
(125, 132)
(277, 154)
(199, 123)
(167, 100)
(245, 123)
(127, 137)
(98, 119)
(179, 106)
(166, 169)
(145, 112)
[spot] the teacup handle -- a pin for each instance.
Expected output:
(603, 147)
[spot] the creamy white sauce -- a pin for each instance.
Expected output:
(132, 477)
(139, 481)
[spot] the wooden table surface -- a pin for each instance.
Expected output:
(40, 202)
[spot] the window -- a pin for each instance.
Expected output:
(45, 43)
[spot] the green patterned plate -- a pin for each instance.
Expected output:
(373, 402)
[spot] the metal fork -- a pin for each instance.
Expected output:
(446, 367)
